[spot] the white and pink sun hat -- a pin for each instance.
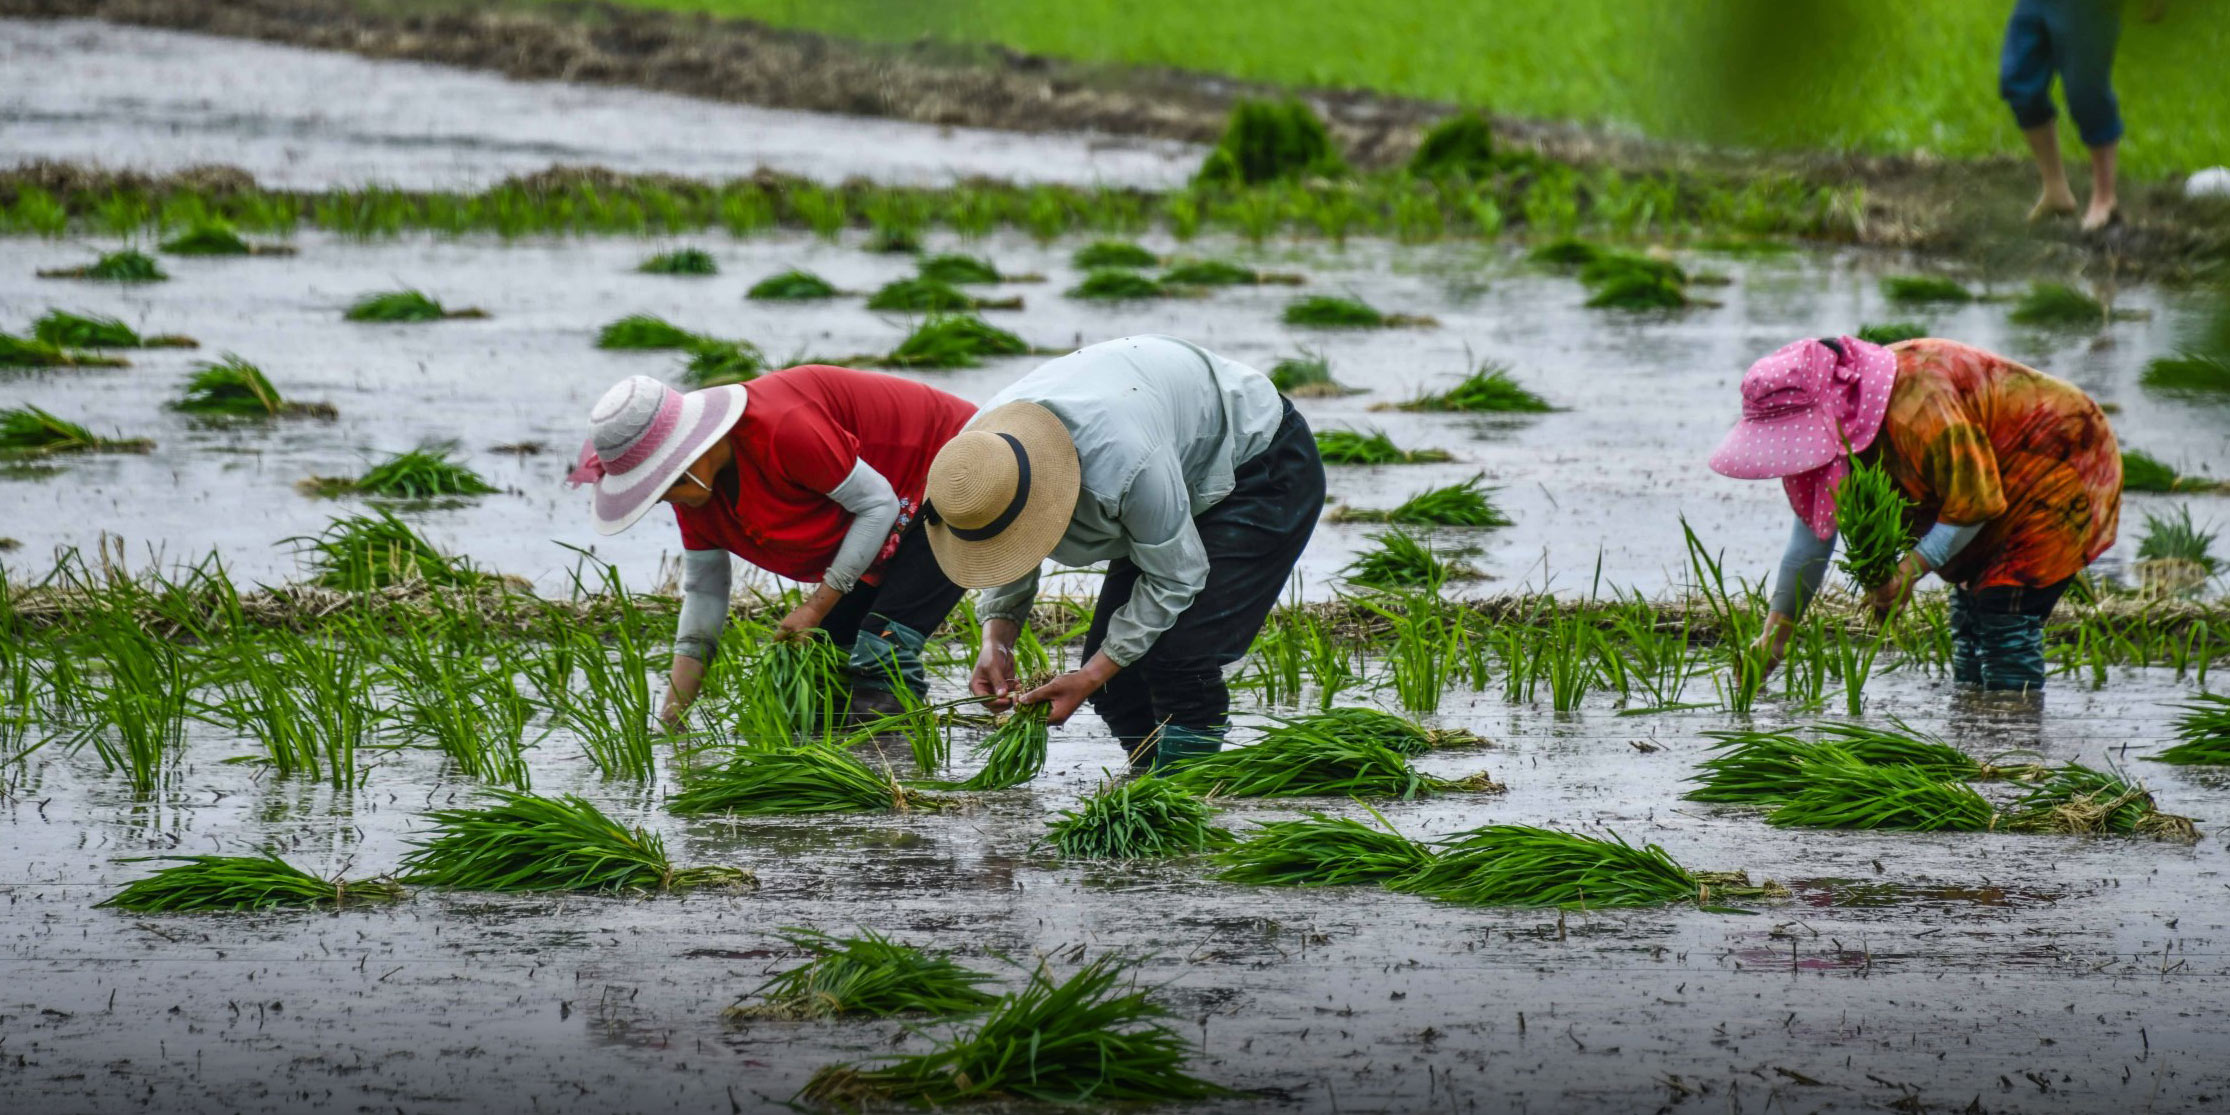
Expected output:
(644, 434)
(1799, 408)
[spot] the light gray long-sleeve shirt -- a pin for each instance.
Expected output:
(1161, 426)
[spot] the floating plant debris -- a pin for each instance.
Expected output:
(2175, 538)
(1266, 141)
(680, 261)
(1216, 272)
(955, 341)
(17, 352)
(126, 266)
(424, 473)
(405, 305)
(2058, 304)
(1520, 865)
(791, 286)
(1399, 560)
(525, 843)
(1315, 764)
(1140, 818)
(867, 976)
(1355, 447)
(231, 387)
(918, 295)
(1488, 390)
(362, 552)
(1457, 505)
(1330, 312)
(806, 778)
(265, 882)
(1870, 512)
(1307, 376)
(65, 329)
(1458, 144)
(1891, 332)
(28, 431)
(1322, 851)
(1392, 732)
(644, 331)
(1112, 284)
(1103, 254)
(2204, 729)
(1014, 751)
(1923, 289)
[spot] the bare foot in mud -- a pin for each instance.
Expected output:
(2100, 216)
(2054, 203)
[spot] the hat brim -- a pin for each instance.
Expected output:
(1766, 449)
(622, 499)
(1055, 478)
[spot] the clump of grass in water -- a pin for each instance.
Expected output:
(1216, 272)
(1141, 818)
(959, 269)
(1916, 289)
(126, 266)
(1567, 252)
(16, 352)
(1460, 144)
(1081, 1040)
(955, 341)
(525, 843)
(2175, 538)
(1401, 560)
(1265, 141)
(1322, 851)
(423, 473)
(1457, 505)
(207, 238)
(808, 778)
(1891, 332)
(1311, 762)
(30, 431)
(716, 363)
(645, 331)
(405, 306)
(2143, 472)
(1307, 376)
(1406, 737)
(1870, 514)
(868, 976)
(2058, 304)
(1354, 447)
(363, 552)
(791, 286)
(2081, 801)
(680, 261)
(1103, 254)
(1629, 282)
(918, 295)
(1113, 284)
(1014, 751)
(2204, 729)
(1326, 311)
(1857, 796)
(2191, 373)
(231, 387)
(1488, 390)
(67, 330)
(265, 882)
(1520, 865)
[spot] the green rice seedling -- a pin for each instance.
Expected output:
(959, 269)
(2078, 800)
(1326, 311)
(1490, 389)
(1891, 332)
(230, 387)
(1566, 252)
(680, 261)
(927, 734)
(1429, 640)
(1638, 290)
(525, 843)
(1757, 768)
(613, 716)
(645, 331)
(64, 329)
(460, 705)
(868, 976)
(1083, 1040)
(1520, 865)
(1307, 376)
(1870, 512)
(1322, 851)
(17, 352)
(2204, 729)
(1216, 272)
(422, 473)
(207, 238)
(716, 363)
(802, 686)
(1457, 505)
(2143, 472)
(1266, 141)
(404, 306)
(2058, 304)
(1104, 254)
(1458, 144)
(28, 431)
(1112, 284)
(136, 719)
(1402, 560)
(1311, 762)
(2193, 373)
(126, 266)
(1915, 289)
(807, 778)
(303, 699)
(1858, 796)
(1355, 447)
(1139, 818)
(2175, 538)
(1395, 733)
(199, 884)
(791, 286)
(1609, 266)
(955, 341)
(1013, 753)
(919, 295)
(359, 553)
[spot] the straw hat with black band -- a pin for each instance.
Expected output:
(1001, 494)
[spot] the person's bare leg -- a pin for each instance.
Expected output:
(2102, 189)
(2058, 199)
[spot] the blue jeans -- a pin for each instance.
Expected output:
(1997, 635)
(2075, 39)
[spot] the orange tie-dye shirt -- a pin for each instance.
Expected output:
(1973, 437)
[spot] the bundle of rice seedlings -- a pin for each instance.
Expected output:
(233, 388)
(1307, 376)
(1322, 851)
(529, 843)
(1870, 514)
(1082, 1040)
(918, 295)
(1891, 332)
(2190, 373)
(1216, 272)
(423, 473)
(1328, 312)
(1457, 505)
(802, 684)
(1354, 447)
(2143, 472)
(1112, 284)
(28, 431)
(1757, 768)
(264, 882)
(363, 552)
(1102, 254)
(866, 976)
(1567, 252)
(1141, 818)
(2078, 800)
(715, 363)
(1401, 560)
(959, 269)
(1923, 288)
(65, 329)
(1460, 144)
(17, 352)
(680, 261)
(1266, 141)
(1520, 865)
(1487, 390)
(1607, 266)
(1392, 732)
(1014, 751)
(207, 238)
(791, 286)
(955, 341)
(644, 331)
(405, 305)
(806, 778)
(1858, 796)
(1903, 746)
(2204, 729)
(2058, 304)
(126, 266)
(1310, 762)
(2176, 538)
(1634, 289)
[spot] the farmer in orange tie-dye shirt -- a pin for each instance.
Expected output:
(2018, 472)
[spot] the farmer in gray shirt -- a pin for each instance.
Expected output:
(1187, 473)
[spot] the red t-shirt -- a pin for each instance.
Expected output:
(802, 431)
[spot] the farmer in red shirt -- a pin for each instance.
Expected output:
(814, 473)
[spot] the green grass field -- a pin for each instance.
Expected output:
(1889, 76)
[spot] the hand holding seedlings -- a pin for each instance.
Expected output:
(1891, 595)
(1067, 692)
(993, 678)
(803, 619)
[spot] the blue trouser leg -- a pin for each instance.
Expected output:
(2025, 66)
(2076, 40)
(1997, 649)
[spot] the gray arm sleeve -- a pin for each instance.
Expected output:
(1803, 567)
(874, 507)
(1172, 563)
(1010, 601)
(1944, 541)
(704, 603)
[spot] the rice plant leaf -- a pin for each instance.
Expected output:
(211, 883)
(1520, 865)
(1138, 818)
(1322, 851)
(868, 976)
(529, 843)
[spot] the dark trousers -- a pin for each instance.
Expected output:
(2075, 39)
(914, 593)
(1254, 537)
(1997, 635)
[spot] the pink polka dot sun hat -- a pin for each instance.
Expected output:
(1799, 405)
